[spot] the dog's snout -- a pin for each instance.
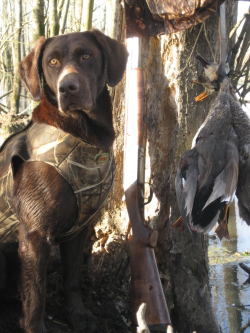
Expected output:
(74, 93)
(69, 86)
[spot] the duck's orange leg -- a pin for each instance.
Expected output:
(222, 229)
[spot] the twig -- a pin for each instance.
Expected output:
(237, 45)
(242, 329)
(4, 106)
(8, 38)
(237, 25)
(6, 94)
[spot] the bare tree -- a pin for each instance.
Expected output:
(64, 16)
(16, 52)
(38, 26)
(54, 18)
(87, 14)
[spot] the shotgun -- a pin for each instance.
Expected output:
(146, 285)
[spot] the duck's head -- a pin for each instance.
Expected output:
(214, 74)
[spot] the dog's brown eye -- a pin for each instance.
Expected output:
(85, 56)
(54, 62)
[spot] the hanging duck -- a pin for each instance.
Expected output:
(207, 175)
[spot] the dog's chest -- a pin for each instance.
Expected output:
(88, 169)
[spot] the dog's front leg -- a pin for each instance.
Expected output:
(33, 252)
(80, 318)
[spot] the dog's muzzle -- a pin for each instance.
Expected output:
(73, 95)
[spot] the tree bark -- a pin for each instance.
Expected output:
(16, 52)
(114, 19)
(38, 27)
(64, 17)
(54, 19)
(87, 12)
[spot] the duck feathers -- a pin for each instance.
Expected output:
(207, 175)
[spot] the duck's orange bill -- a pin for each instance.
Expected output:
(201, 97)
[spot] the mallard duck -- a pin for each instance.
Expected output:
(207, 174)
(241, 125)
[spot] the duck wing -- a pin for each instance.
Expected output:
(218, 175)
(186, 182)
(226, 182)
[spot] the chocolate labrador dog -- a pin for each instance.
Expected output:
(57, 172)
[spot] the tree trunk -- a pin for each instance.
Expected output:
(38, 27)
(78, 14)
(16, 52)
(114, 19)
(54, 19)
(87, 12)
(64, 15)
(5, 58)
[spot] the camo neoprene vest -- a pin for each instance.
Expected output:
(88, 169)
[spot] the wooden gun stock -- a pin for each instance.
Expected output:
(145, 281)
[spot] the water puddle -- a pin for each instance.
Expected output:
(230, 290)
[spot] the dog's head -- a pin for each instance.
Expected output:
(73, 69)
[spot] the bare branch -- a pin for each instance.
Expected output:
(6, 94)
(237, 25)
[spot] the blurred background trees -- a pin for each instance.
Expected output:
(22, 22)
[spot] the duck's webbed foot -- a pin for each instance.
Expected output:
(222, 229)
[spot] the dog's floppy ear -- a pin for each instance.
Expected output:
(116, 56)
(29, 70)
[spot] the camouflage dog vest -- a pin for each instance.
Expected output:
(87, 168)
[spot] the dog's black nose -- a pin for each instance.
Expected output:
(68, 86)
